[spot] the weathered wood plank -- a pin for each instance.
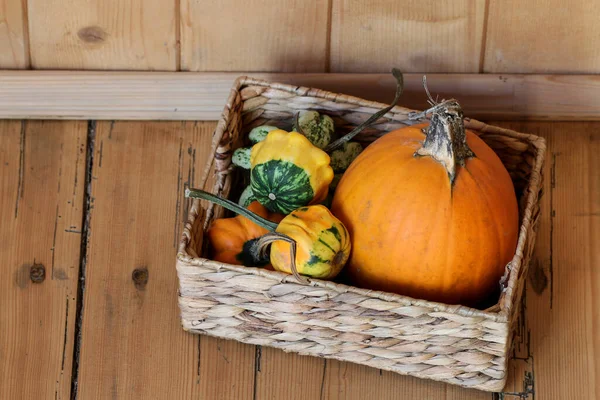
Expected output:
(254, 35)
(560, 346)
(42, 167)
(14, 40)
(103, 34)
(350, 381)
(415, 36)
(132, 341)
(226, 369)
(202, 96)
(289, 376)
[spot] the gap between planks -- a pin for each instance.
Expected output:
(94, 95)
(83, 254)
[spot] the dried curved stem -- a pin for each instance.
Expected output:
(261, 245)
(431, 101)
(349, 136)
(231, 206)
(436, 108)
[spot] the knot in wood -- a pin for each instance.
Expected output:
(92, 34)
(140, 278)
(37, 273)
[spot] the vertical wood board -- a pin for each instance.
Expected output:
(559, 344)
(42, 167)
(132, 340)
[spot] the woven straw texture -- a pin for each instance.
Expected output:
(449, 343)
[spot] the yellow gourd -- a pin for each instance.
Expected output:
(288, 172)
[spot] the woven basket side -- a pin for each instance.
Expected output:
(226, 138)
(322, 321)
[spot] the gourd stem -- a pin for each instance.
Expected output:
(262, 243)
(231, 206)
(446, 140)
(349, 136)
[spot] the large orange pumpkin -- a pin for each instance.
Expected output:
(433, 218)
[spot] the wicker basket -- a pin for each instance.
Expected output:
(449, 343)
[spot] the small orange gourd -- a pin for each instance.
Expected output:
(431, 211)
(231, 239)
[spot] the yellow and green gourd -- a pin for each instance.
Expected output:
(343, 157)
(322, 243)
(318, 128)
(288, 172)
(241, 157)
(259, 133)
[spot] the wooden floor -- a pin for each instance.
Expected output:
(98, 207)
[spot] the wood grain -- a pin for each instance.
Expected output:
(14, 41)
(226, 369)
(254, 35)
(132, 341)
(288, 376)
(560, 345)
(202, 96)
(542, 36)
(42, 166)
(415, 36)
(103, 34)
(351, 381)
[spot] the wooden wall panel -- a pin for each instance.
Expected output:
(42, 170)
(302, 36)
(254, 35)
(103, 34)
(14, 51)
(415, 36)
(543, 36)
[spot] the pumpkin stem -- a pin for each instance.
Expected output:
(259, 248)
(231, 206)
(349, 136)
(446, 140)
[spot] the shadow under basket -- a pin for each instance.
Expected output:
(449, 343)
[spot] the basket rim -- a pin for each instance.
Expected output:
(499, 312)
